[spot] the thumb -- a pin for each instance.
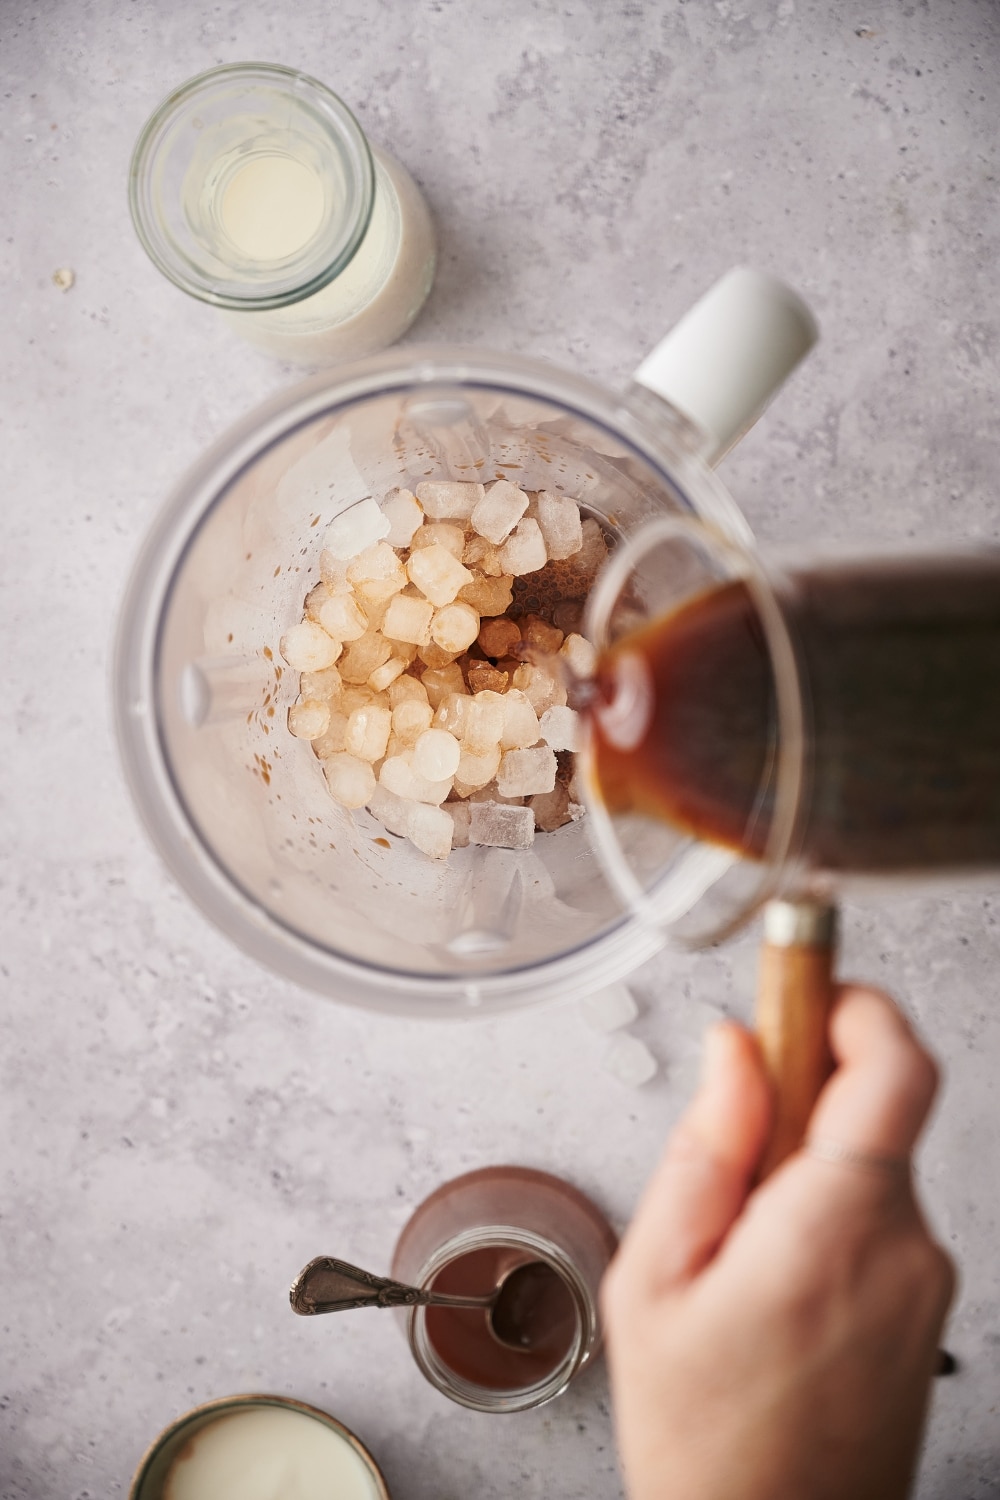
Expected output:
(707, 1169)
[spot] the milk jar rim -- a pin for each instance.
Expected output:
(298, 276)
(597, 961)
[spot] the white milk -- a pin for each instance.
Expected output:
(378, 294)
(272, 207)
(269, 1453)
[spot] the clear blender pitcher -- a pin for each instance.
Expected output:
(239, 809)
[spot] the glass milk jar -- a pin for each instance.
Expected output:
(254, 188)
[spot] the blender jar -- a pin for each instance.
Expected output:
(240, 810)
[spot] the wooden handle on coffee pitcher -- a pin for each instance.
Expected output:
(794, 995)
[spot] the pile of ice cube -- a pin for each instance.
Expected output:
(415, 689)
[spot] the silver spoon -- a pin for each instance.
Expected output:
(328, 1285)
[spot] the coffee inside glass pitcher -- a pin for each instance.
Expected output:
(896, 661)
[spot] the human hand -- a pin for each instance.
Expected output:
(778, 1342)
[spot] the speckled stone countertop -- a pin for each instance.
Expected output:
(181, 1130)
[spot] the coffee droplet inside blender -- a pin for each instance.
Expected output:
(521, 1340)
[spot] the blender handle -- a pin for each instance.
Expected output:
(794, 996)
(730, 354)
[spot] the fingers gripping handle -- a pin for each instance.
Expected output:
(794, 996)
(730, 354)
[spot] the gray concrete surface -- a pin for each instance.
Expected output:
(180, 1130)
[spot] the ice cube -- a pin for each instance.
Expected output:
(309, 719)
(455, 627)
(433, 655)
(405, 650)
(443, 534)
(524, 550)
(452, 712)
(501, 826)
(490, 596)
(610, 1009)
(525, 772)
(408, 619)
(361, 657)
(568, 615)
(333, 571)
(593, 551)
(431, 829)
(375, 594)
(499, 511)
(630, 1061)
(372, 606)
(399, 776)
(335, 738)
(438, 682)
(308, 648)
(537, 685)
(392, 812)
(351, 781)
(341, 618)
(551, 809)
(498, 637)
(484, 724)
(406, 688)
(539, 633)
(355, 529)
(356, 695)
(475, 771)
(436, 755)
(492, 793)
(559, 727)
(520, 722)
(579, 655)
(411, 718)
(437, 574)
(460, 817)
(404, 515)
(314, 599)
(482, 556)
(443, 500)
(325, 685)
(559, 520)
(386, 674)
(376, 563)
(368, 732)
(483, 676)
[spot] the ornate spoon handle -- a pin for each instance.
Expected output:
(328, 1285)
